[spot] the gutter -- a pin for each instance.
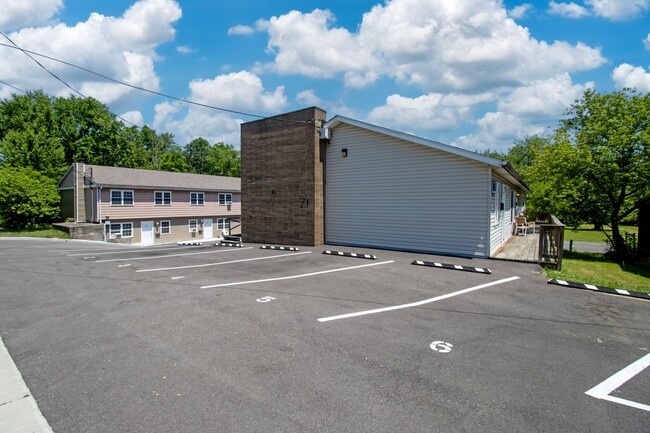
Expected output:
(512, 172)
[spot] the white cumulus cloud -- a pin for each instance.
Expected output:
(619, 9)
(546, 99)
(435, 45)
(627, 75)
(307, 44)
(25, 13)
(135, 117)
(433, 111)
(519, 12)
(123, 48)
(569, 10)
(308, 98)
(524, 111)
(241, 30)
(239, 91)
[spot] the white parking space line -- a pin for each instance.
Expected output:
(603, 390)
(88, 250)
(168, 255)
(140, 250)
(290, 277)
(203, 265)
(417, 304)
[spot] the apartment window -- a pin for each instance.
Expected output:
(121, 197)
(165, 227)
(223, 224)
(163, 198)
(225, 198)
(194, 225)
(121, 230)
(197, 198)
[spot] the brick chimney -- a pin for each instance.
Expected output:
(282, 179)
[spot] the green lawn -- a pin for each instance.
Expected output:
(592, 268)
(586, 233)
(39, 232)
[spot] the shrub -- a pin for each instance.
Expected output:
(27, 198)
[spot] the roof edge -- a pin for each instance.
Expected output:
(338, 119)
(494, 162)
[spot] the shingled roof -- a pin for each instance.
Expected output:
(118, 177)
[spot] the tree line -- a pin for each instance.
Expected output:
(41, 135)
(594, 168)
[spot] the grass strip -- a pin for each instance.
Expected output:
(593, 268)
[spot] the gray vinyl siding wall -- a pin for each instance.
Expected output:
(391, 193)
(500, 225)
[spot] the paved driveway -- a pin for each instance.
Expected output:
(199, 339)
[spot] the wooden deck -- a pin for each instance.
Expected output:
(522, 248)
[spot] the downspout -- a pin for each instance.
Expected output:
(489, 212)
(76, 198)
(99, 203)
(99, 200)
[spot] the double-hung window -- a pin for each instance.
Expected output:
(225, 198)
(165, 227)
(223, 224)
(193, 225)
(197, 198)
(121, 197)
(121, 230)
(162, 198)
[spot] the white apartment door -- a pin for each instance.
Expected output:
(146, 233)
(207, 228)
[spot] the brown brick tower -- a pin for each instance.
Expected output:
(282, 179)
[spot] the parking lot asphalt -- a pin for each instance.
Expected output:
(199, 339)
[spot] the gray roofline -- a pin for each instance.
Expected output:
(333, 122)
(502, 166)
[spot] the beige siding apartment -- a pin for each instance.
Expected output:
(146, 206)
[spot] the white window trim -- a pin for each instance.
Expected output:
(113, 235)
(122, 191)
(495, 187)
(169, 227)
(225, 198)
(223, 223)
(197, 198)
(163, 198)
(196, 225)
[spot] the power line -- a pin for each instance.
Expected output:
(12, 86)
(55, 76)
(153, 92)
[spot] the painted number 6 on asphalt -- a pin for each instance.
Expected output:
(441, 346)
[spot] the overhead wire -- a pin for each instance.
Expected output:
(12, 86)
(57, 77)
(153, 92)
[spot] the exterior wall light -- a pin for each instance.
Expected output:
(344, 152)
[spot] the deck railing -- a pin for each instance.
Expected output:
(551, 241)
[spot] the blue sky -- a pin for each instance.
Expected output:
(473, 73)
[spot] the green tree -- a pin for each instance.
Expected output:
(27, 198)
(29, 134)
(523, 154)
(174, 160)
(154, 147)
(196, 153)
(224, 160)
(88, 131)
(601, 160)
